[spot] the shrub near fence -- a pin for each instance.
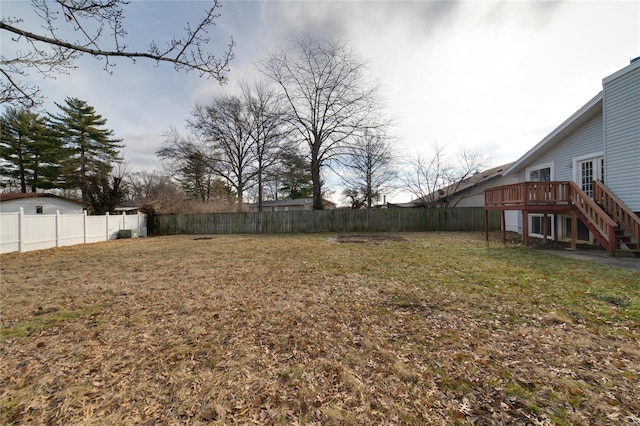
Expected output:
(469, 219)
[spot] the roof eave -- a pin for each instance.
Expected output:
(631, 67)
(589, 106)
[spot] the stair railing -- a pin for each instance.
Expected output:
(597, 217)
(618, 210)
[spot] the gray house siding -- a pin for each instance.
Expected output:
(584, 141)
(621, 108)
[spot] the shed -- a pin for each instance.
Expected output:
(38, 203)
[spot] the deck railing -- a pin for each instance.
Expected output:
(527, 193)
(618, 210)
(542, 195)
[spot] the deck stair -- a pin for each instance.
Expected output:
(627, 233)
(626, 245)
(611, 222)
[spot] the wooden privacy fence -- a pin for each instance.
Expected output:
(344, 220)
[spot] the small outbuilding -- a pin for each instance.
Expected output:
(38, 203)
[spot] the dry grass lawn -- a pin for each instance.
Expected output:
(425, 329)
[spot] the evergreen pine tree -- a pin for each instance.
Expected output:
(295, 176)
(93, 152)
(31, 155)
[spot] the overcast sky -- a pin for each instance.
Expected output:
(496, 76)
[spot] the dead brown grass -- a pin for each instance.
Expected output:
(424, 329)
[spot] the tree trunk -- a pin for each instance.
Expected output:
(23, 182)
(369, 189)
(260, 186)
(240, 197)
(317, 185)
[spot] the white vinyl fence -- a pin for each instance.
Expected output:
(22, 232)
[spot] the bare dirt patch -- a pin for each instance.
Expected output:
(437, 329)
(368, 238)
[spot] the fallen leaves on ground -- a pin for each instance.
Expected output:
(419, 328)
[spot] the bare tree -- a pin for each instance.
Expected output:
(155, 189)
(222, 125)
(184, 158)
(433, 180)
(368, 165)
(98, 31)
(266, 128)
(329, 100)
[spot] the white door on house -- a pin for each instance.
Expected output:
(589, 170)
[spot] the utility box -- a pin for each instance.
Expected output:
(127, 233)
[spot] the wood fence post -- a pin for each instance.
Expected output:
(21, 230)
(486, 225)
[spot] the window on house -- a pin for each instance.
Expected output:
(540, 175)
(590, 169)
(39, 209)
(582, 231)
(537, 225)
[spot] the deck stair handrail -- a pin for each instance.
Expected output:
(528, 196)
(618, 210)
(597, 217)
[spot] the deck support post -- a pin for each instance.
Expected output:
(545, 228)
(503, 222)
(574, 229)
(525, 227)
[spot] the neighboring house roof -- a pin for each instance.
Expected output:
(466, 185)
(287, 202)
(410, 204)
(127, 206)
(20, 196)
(579, 118)
(292, 202)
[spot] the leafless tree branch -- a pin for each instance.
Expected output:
(51, 53)
(323, 84)
(434, 179)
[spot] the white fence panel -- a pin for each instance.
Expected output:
(9, 232)
(70, 229)
(20, 232)
(136, 223)
(39, 232)
(114, 225)
(96, 229)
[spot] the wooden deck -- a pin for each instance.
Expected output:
(553, 197)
